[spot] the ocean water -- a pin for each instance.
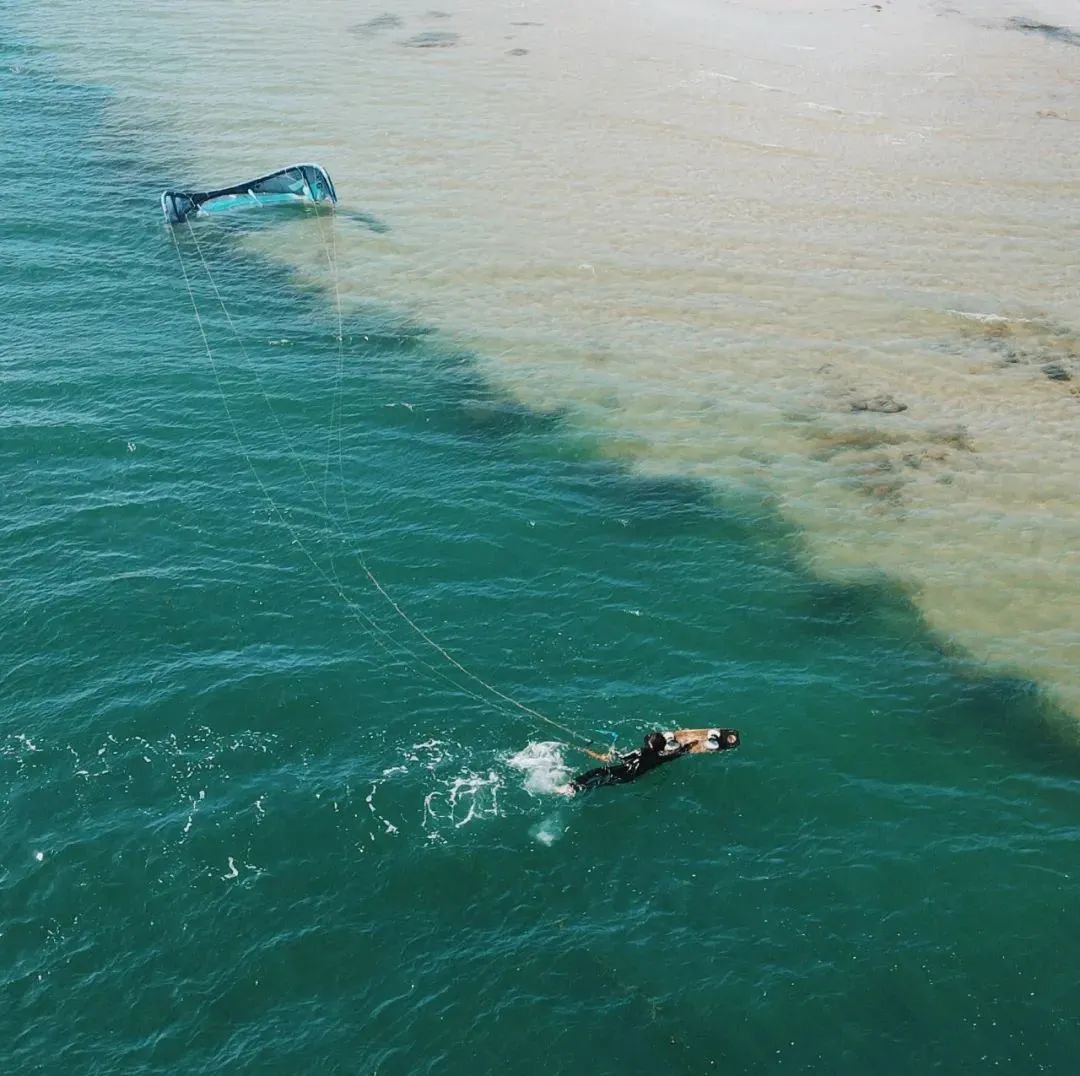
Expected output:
(255, 818)
(715, 235)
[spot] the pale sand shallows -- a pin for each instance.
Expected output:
(710, 233)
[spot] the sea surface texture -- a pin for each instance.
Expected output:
(663, 365)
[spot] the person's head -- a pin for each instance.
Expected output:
(728, 738)
(655, 741)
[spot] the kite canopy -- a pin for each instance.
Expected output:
(298, 183)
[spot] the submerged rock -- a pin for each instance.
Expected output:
(431, 39)
(834, 443)
(957, 437)
(386, 21)
(1056, 372)
(1046, 29)
(883, 405)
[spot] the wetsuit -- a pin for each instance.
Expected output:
(630, 768)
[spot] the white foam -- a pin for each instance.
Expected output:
(988, 319)
(543, 765)
(461, 800)
(548, 831)
(369, 799)
(469, 791)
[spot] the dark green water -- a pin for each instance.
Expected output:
(248, 826)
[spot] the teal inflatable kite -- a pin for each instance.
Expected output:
(298, 183)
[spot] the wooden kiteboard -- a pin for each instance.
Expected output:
(705, 741)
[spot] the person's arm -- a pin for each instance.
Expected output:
(609, 757)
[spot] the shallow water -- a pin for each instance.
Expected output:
(254, 821)
(707, 234)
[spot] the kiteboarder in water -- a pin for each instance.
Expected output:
(652, 753)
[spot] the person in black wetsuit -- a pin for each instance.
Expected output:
(630, 767)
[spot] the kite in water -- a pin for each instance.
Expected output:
(298, 183)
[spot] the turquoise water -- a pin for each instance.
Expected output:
(251, 825)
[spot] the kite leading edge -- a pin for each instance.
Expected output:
(297, 183)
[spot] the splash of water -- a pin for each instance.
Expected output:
(543, 765)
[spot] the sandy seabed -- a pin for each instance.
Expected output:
(821, 252)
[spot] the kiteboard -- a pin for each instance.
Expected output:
(704, 741)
